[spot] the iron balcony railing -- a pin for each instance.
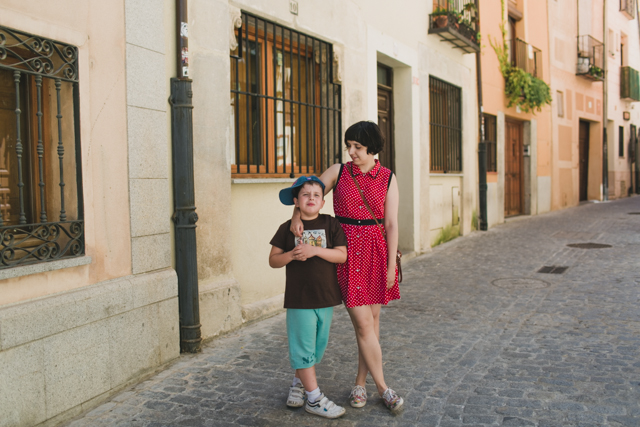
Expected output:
(590, 58)
(40, 219)
(628, 8)
(526, 57)
(455, 21)
(629, 84)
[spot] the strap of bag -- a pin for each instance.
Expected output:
(384, 235)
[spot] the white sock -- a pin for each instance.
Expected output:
(313, 395)
(296, 381)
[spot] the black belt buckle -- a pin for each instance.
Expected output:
(353, 221)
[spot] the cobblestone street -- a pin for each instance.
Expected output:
(479, 338)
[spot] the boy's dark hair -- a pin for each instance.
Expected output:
(296, 190)
(366, 133)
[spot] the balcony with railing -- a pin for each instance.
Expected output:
(526, 57)
(629, 84)
(454, 21)
(590, 58)
(628, 8)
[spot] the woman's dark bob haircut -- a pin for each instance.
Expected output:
(367, 134)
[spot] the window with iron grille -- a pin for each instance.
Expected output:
(445, 113)
(491, 139)
(285, 103)
(41, 211)
(628, 7)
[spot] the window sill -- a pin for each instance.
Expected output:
(26, 270)
(261, 180)
(447, 174)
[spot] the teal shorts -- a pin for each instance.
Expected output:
(308, 334)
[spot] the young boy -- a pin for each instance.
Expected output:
(311, 289)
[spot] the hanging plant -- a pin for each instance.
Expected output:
(522, 89)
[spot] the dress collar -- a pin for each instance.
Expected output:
(372, 173)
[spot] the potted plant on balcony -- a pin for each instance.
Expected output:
(468, 19)
(440, 17)
(596, 72)
(443, 16)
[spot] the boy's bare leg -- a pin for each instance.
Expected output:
(308, 378)
(368, 344)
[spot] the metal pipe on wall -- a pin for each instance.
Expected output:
(483, 223)
(184, 216)
(605, 100)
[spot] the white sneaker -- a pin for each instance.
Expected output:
(296, 396)
(324, 408)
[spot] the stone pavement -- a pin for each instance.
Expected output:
(479, 338)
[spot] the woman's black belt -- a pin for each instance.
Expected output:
(352, 221)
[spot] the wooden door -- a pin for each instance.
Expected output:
(385, 116)
(583, 155)
(513, 171)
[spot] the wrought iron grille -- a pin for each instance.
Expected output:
(39, 149)
(445, 113)
(590, 58)
(527, 58)
(285, 102)
(491, 142)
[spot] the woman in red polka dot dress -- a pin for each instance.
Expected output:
(369, 278)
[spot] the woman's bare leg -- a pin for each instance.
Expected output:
(363, 370)
(366, 323)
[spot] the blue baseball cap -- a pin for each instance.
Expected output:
(286, 194)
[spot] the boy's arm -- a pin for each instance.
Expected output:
(336, 255)
(278, 258)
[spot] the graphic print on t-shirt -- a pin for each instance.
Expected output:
(313, 238)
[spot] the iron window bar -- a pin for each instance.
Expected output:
(445, 126)
(34, 60)
(285, 132)
(590, 58)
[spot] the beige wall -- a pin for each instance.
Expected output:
(99, 36)
(582, 100)
(73, 332)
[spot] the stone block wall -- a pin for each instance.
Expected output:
(62, 354)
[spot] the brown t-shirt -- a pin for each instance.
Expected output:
(312, 283)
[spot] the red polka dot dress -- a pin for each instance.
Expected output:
(363, 278)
